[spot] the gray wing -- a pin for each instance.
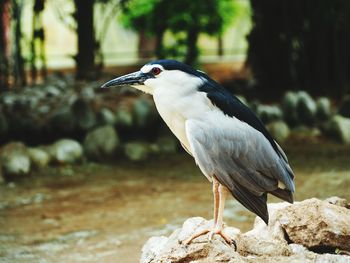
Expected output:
(241, 159)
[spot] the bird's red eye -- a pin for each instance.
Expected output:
(156, 71)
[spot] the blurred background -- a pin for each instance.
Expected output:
(89, 175)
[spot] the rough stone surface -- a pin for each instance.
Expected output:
(315, 223)
(39, 157)
(14, 159)
(339, 128)
(101, 142)
(172, 249)
(292, 231)
(279, 130)
(66, 151)
(137, 151)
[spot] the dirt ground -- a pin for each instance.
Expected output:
(105, 213)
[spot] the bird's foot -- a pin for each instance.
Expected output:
(212, 232)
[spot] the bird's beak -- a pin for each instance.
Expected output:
(135, 78)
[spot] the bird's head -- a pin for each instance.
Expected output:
(160, 74)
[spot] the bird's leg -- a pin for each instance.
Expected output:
(219, 193)
(216, 199)
(218, 223)
(216, 210)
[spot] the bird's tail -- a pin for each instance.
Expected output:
(284, 194)
(256, 204)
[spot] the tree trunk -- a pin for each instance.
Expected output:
(4, 32)
(18, 70)
(191, 43)
(85, 58)
(159, 48)
(220, 45)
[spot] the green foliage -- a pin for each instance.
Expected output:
(212, 17)
(140, 15)
(192, 17)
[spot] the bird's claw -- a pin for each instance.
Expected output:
(212, 232)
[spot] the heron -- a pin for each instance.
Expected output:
(228, 142)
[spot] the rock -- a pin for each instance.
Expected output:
(124, 118)
(344, 108)
(324, 110)
(339, 129)
(144, 112)
(38, 157)
(165, 144)
(15, 160)
(171, 249)
(62, 120)
(305, 131)
(312, 223)
(85, 117)
(137, 151)
(106, 117)
(315, 224)
(101, 142)
(269, 113)
(335, 200)
(66, 151)
(306, 108)
(279, 130)
(289, 107)
(295, 232)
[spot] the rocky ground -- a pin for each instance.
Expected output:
(307, 231)
(64, 121)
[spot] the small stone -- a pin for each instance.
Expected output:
(62, 120)
(124, 118)
(289, 107)
(144, 112)
(306, 108)
(269, 113)
(165, 144)
(39, 157)
(339, 129)
(66, 151)
(101, 142)
(14, 159)
(106, 117)
(279, 130)
(137, 151)
(85, 117)
(324, 110)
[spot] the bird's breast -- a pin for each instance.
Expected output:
(175, 109)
